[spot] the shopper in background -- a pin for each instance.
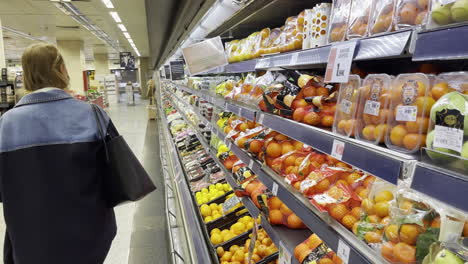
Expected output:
(151, 89)
(50, 179)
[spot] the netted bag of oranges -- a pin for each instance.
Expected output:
(280, 214)
(313, 250)
(414, 226)
(322, 178)
(292, 162)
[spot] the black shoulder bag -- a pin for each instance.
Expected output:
(125, 178)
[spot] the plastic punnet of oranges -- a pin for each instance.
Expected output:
(345, 116)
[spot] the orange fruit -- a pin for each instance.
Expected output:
(300, 249)
(325, 261)
(322, 185)
(357, 212)
(294, 222)
(349, 127)
(298, 161)
(220, 251)
(391, 232)
(385, 221)
(353, 177)
(413, 141)
(298, 145)
(322, 91)
(368, 132)
(273, 150)
(404, 253)
(285, 210)
(312, 118)
(379, 132)
(314, 241)
(382, 209)
(274, 203)
(338, 211)
(382, 118)
(372, 237)
(368, 206)
(397, 134)
(387, 251)
(286, 147)
(227, 256)
(297, 185)
(267, 241)
(383, 196)
(465, 230)
(409, 233)
(374, 219)
(327, 121)
(368, 181)
(424, 104)
(243, 127)
(290, 160)
(406, 207)
(355, 228)
(439, 90)
(420, 125)
(341, 125)
(367, 119)
(281, 137)
(348, 221)
(364, 193)
(256, 146)
(276, 217)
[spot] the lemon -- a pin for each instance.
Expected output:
(238, 228)
(216, 239)
(225, 232)
(205, 210)
(204, 190)
(208, 219)
(250, 225)
(216, 216)
(213, 207)
(246, 219)
(214, 212)
(215, 231)
(212, 187)
(226, 187)
(228, 236)
(203, 200)
(219, 186)
(220, 208)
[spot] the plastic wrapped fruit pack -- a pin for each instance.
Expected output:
(242, 225)
(339, 20)
(280, 214)
(411, 13)
(316, 25)
(411, 102)
(373, 111)
(313, 250)
(444, 13)
(382, 17)
(359, 18)
(345, 116)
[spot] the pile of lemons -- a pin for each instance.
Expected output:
(242, 225)
(212, 192)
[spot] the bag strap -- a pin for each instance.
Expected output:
(97, 113)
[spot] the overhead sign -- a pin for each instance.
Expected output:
(205, 56)
(177, 70)
(167, 71)
(127, 61)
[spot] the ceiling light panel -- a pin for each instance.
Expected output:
(122, 27)
(108, 3)
(116, 17)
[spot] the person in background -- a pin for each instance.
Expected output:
(51, 189)
(151, 90)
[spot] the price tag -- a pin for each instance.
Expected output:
(338, 149)
(274, 189)
(261, 117)
(251, 163)
(253, 240)
(284, 255)
(239, 111)
(406, 113)
(229, 145)
(372, 108)
(294, 57)
(339, 62)
(448, 137)
(346, 106)
(343, 251)
(229, 204)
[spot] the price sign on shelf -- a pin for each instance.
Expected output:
(284, 255)
(229, 204)
(274, 189)
(343, 251)
(337, 149)
(339, 62)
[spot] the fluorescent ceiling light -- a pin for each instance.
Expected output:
(115, 16)
(108, 3)
(127, 35)
(122, 27)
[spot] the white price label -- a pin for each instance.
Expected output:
(274, 189)
(239, 111)
(284, 255)
(230, 203)
(229, 145)
(261, 117)
(343, 251)
(406, 113)
(372, 108)
(294, 57)
(448, 137)
(251, 163)
(337, 149)
(346, 106)
(339, 62)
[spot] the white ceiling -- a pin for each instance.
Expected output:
(40, 18)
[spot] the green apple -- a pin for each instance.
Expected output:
(453, 100)
(446, 256)
(460, 10)
(441, 14)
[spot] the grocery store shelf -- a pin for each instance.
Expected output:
(442, 44)
(447, 186)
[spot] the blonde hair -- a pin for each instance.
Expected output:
(42, 67)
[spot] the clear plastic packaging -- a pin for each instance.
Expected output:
(407, 126)
(373, 112)
(410, 13)
(444, 13)
(382, 17)
(339, 20)
(345, 116)
(359, 18)
(318, 21)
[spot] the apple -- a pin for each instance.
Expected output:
(460, 10)
(446, 256)
(441, 14)
(453, 100)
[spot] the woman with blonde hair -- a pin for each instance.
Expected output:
(50, 183)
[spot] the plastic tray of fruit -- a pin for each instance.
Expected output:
(220, 198)
(218, 220)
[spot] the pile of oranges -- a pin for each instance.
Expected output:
(280, 214)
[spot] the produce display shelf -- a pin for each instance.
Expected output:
(442, 44)
(376, 160)
(200, 253)
(331, 232)
(447, 186)
(289, 238)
